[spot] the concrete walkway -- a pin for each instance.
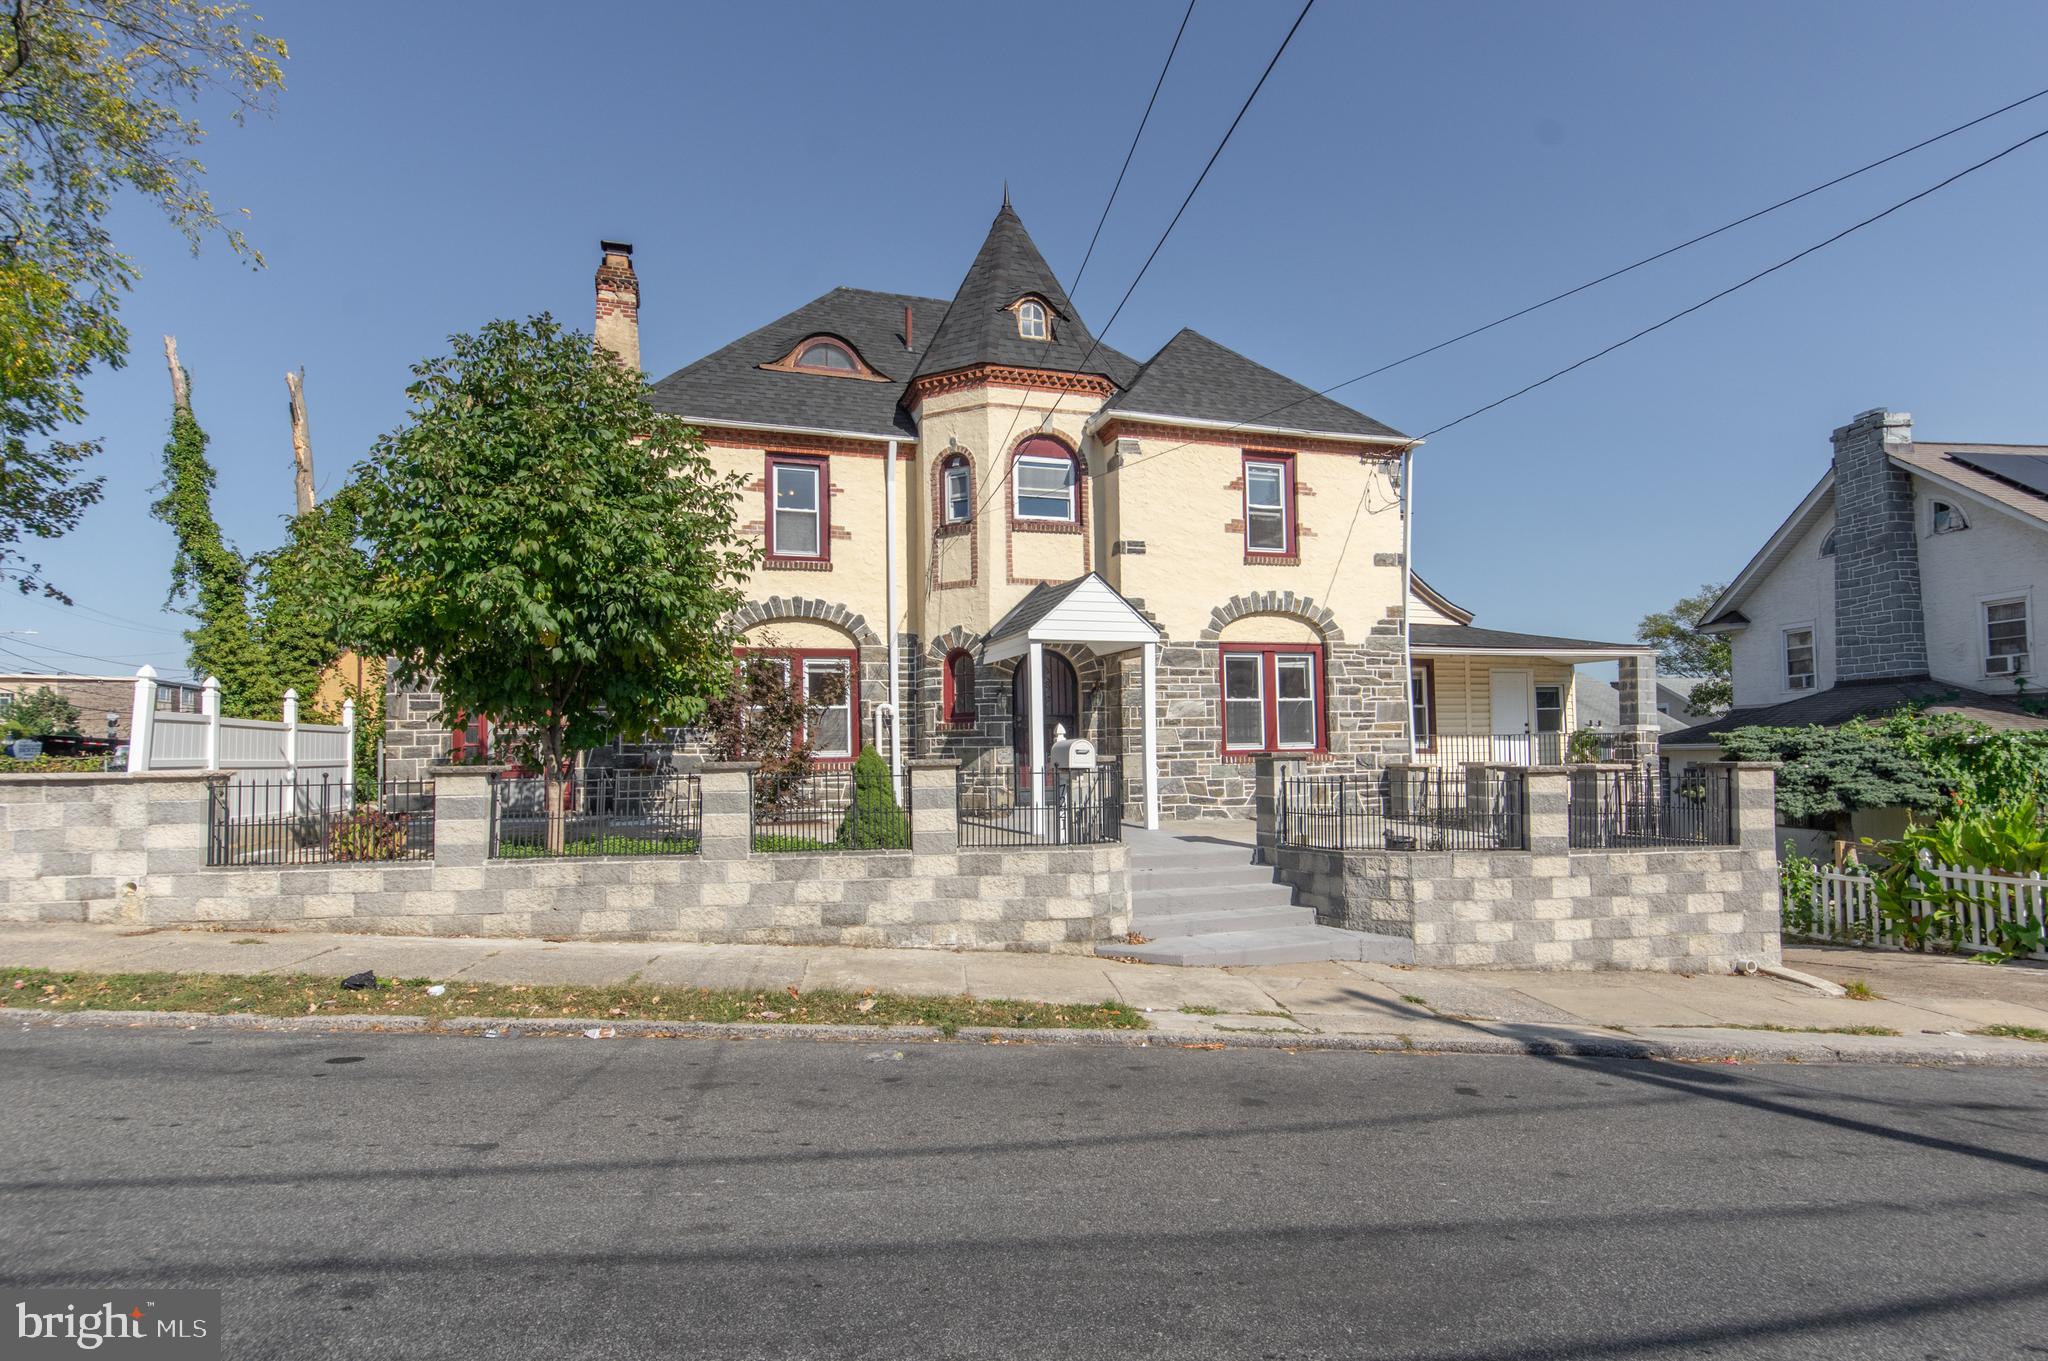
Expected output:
(1932, 1003)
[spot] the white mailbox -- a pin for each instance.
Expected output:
(1073, 753)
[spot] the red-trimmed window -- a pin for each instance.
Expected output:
(1045, 482)
(470, 741)
(836, 738)
(799, 509)
(1269, 521)
(958, 687)
(1272, 698)
(956, 490)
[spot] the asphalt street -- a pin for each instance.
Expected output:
(419, 1196)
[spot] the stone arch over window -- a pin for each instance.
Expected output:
(756, 614)
(1287, 603)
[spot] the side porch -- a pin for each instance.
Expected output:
(1487, 696)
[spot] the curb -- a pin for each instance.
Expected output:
(1564, 1043)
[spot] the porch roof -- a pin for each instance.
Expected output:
(1086, 611)
(1458, 639)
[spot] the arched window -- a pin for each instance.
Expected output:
(1031, 320)
(1945, 518)
(828, 355)
(956, 490)
(1827, 545)
(1045, 481)
(958, 699)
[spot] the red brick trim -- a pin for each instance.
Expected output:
(1124, 427)
(1015, 526)
(1009, 376)
(754, 441)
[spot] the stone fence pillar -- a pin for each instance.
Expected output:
(727, 819)
(1268, 774)
(935, 806)
(1754, 793)
(462, 813)
(1550, 801)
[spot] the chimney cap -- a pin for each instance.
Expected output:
(616, 247)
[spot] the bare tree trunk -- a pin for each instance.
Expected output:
(552, 767)
(302, 443)
(181, 390)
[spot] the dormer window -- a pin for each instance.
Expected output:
(826, 355)
(1945, 518)
(1031, 324)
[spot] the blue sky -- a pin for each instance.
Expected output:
(1407, 173)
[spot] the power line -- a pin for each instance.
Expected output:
(1680, 315)
(1617, 273)
(1095, 343)
(102, 616)
(1142, 121)
(84, 656)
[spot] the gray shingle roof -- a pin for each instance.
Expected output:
(1872, 699)
(1465, 636)
(729, 384)
(1194, 376)
(979, 328)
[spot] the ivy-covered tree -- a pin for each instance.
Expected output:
(1683, 650)
(548, 549)
(93, 101)
(207, 574)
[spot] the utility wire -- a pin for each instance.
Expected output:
(1096, 343)
(1681, 314)
(1146, 118)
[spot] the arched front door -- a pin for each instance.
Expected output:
(1062, 707)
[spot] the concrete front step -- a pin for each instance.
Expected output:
(1266, 890)
(1179, 878)
(1235, 917)
(1286, 945)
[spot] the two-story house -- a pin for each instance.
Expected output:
(1908, 576)
(993, 527)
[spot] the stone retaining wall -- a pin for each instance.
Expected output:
(1690, 910)
(133, 848)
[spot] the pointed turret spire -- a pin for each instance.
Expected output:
(981, 327)
(1006, 195)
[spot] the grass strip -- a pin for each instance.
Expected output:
(1815, 1029)
(2003, 1031)
(310, 994)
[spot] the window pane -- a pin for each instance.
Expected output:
(1294, 702)
(1241, 676)
(796, 531)
(796, 488)
(822, 356)
(1799, 660)
(1262, 485)
(1244, 723)
(1296, 676)
(835, 724)
(1045, 488)
(1549, 708)
(1418, 681)
(959, 497)
(1266, 530)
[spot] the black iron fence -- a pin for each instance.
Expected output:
(827, 810)
(1081, 808)
(1413, 808)
(1634, 809)
(603, 812)
(318, 822)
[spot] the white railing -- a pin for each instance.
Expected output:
(1843, 909)
(257, 750)
(1507, 748)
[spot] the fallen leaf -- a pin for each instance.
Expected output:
(866, 1004)
(791, 990)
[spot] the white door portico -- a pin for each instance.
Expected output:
(1085, 613)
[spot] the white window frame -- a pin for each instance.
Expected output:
(1029, 310)
(1420, 716)
(1537, 706)
(1257, 700)
(777, 511)
(1073, 471)
(964, 495)
(1985, 604)
(1306, 661)
(1282, 475)
(1958, 520)
(1785, 658)
(840, 667)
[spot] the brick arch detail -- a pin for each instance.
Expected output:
(777, 609)
(1288, 603)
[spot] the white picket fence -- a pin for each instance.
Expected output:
(284, 756)
(1845, 907)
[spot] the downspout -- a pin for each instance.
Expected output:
(1408, 590)
(889, 619)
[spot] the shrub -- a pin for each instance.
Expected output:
(874, 821)
(42, 712)
(366, 834)
(52, 765)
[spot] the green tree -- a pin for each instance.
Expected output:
(209, 573)
(42, 712)
(549, 549)
(303, 596)
(1683, 650)
(93, 100)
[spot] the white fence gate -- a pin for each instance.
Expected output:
(291, 758)
(1844, 908)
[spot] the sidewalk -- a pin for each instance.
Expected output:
(1933, 1004)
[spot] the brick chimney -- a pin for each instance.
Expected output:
(618, 303)
(1880, 625)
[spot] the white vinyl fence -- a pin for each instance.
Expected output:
(290, 760)
(1844, 908)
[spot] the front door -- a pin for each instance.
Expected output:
(1511, 716)
(1062, 708)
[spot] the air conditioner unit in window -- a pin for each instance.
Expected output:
(2006, 664)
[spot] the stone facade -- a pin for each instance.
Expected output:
(1880, 628)
(132, 848)
(1690, 910)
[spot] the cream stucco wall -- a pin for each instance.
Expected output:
(1184, 501)
(1798, 593)
(1998, 557)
